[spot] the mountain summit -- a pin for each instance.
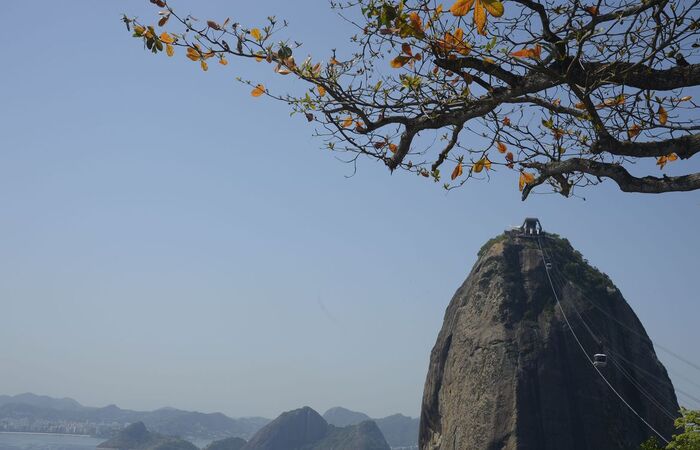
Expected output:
(507, 372)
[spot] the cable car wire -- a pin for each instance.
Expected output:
(560, 276)
(561, 309)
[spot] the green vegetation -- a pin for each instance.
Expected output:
(494, 240)
(689, 437)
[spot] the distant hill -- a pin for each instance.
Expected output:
(398, 430)
(42, 401)
(233, 443)
(137, 437)
(305, 429)
(29, 412)
(341, 417)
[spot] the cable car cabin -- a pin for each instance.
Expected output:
(531, 227)
(600, 360)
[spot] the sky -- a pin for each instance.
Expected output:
(167, 240)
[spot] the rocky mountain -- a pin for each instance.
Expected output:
(507, 372)
(305, 429)
(398, 430)
(137, 437)
(233, 443)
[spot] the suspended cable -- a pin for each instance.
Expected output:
(561, 309)
(631, 330)
(561, 277)
(626, 374)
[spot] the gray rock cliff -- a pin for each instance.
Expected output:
(507, 373)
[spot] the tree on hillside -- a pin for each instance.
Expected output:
(688, 437)
(563, 93)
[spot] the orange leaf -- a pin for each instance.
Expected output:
(506, 121)
(406, 48)
(501, 147)
(255, 32)
(532, 53)
(482, 164)
(580, 105)
(663, 115)
(193, 54)
(258, 91)
(400, 61)
(672, 157)
(213, 25)
(461, 7)
(347, 122)
(223, 61)
(525, 178)
(169, 50)
(457, 172)
(633, 131)
(592, 10)
(393, 148)
(661, 161)
(321, 90)
(204, 65)
(165, 37)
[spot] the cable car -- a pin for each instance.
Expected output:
(600, 360)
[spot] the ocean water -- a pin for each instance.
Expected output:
(38, 441)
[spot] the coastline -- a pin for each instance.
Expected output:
(47, 434)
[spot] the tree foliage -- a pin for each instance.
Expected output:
(562, 93)
(687, 438)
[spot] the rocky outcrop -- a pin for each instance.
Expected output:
(342, 417)
(137, 437)
(507, 373)
(305, 429)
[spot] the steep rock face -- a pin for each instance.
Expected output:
(507, 373)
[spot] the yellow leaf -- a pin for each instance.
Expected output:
(501, 147)
(457, 172)
(169, 50)
(663, 115)
(347, 122)
(672, 157)
(480, 17)
(525, 178)
(223, 61)
(461, 7)
(494, 7)
(256, 34)
(204, 65)
(165, 37)
(321, 90)
(258, 91)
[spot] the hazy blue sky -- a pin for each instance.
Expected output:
(168, 240)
